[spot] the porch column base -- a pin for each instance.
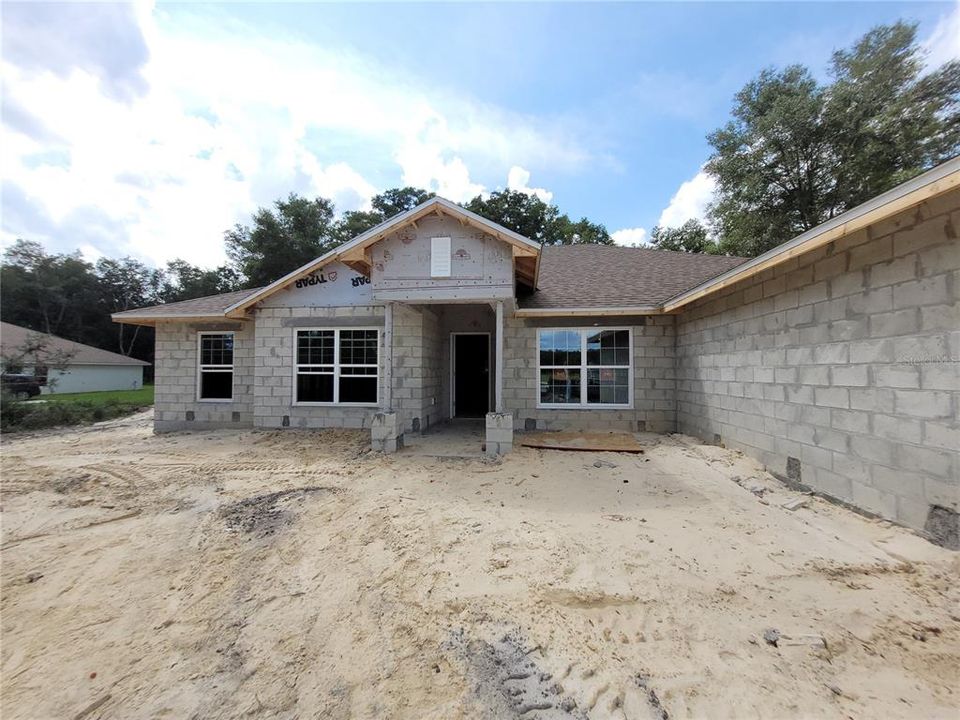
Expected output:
(385, 434)
(499, 433)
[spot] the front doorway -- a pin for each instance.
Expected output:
(470, 371)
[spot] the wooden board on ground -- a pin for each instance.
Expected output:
(584, 441)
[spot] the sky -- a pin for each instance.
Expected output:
(150, 129)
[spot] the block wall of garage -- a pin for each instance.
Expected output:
(175, 400)
(654, 384)
(841, 368)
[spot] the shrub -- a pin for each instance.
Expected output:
(16, 415)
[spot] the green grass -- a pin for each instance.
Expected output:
(142, 397)
(71, 409)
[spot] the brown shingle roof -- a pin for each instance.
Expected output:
(202, 306)
(588, 276)
(13, 337)
(571, 276)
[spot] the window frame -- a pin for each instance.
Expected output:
(584, 368)
(336, 367)
(216, 368)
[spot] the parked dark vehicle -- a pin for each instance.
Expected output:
(22, 386)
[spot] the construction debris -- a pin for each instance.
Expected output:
(796, 503)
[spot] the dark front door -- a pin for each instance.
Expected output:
(471, 375)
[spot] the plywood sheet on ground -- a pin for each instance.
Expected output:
(584, 441)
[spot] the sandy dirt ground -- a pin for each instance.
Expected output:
(297, 575)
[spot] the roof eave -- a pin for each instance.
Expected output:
(932, 183)
(590, 311)
(150, 320)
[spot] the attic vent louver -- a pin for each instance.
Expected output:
(440, 257)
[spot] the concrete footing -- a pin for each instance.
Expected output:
(499, 438)
(385, 433)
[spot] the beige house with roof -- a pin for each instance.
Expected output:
(832, 358)
(89, 369)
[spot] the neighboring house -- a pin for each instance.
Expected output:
(88, 369)
(832, 358)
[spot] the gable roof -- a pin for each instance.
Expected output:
(574, 277)
(353, 253)
(593, 279)
(13, 337)
(201, 308)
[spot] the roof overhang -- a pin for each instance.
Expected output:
(153, 320)
(356, 252)
(589, 311)
(932, 183)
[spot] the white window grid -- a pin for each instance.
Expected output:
(335, 368)
(583, 368)
(218, 368)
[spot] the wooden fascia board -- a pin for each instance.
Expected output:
(152, 320)
(585, 312)
(860, 218)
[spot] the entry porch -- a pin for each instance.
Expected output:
(442, 361)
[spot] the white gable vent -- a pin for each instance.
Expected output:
(440, 257)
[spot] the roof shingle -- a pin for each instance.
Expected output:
(13, 337)
(202, 306)
(608, 276)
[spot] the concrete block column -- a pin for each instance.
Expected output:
(386, 434)
(499, 433)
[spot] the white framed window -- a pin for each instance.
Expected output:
(585, 368)
(215, 366)
(440, 259)
(336, 366)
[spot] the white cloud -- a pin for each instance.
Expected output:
(226, 118)
(944, 42)
(690, 201)
(518, 179)
(630, 237)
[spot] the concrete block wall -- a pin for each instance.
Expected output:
(416, 383)
(431, 407)
(654, 384)
(274, 367)
(176, 406)
(847, 360)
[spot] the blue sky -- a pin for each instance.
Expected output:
(150, 129)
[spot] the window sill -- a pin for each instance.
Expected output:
(221, 401)
(581, 406)
(335, 405)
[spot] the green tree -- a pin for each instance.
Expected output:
(397, 200)
(296, 231)
(797, 153)
(183, 281)
(54, 294)
(355, 222)
(890, 120)
(126, 284)
(531, 217)
(691, 237)
(384, 206)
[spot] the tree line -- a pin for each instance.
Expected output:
(795, 153)
(64, 295)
